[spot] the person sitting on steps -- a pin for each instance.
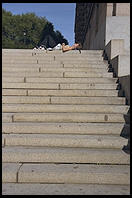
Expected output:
(66, 48)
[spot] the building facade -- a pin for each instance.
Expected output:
(106, 26)
(97, 23)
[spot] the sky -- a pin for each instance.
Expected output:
(62, 15)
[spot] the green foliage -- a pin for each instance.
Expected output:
(26, 30)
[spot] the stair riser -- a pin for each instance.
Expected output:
(52, 58)
(87, 100)
(43, 69)
(80, 93)
(74, 178)
(63, 128)
(64, 141)
(61, 117)
(58, 86)
(67, 108)
(59, 80)
(66, 156)
(57, 74)
(56, 65)
(62, 173)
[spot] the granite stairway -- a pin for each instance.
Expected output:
(63, 124)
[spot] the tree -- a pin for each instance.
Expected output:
(26, 30)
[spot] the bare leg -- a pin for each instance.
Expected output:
(68, 48)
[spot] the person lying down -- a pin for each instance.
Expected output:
(66, 48)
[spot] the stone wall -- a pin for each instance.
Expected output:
(97, 23)
(118, 27)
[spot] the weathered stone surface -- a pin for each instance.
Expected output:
(64, 189)
(53, 69)
(43, 108)
(64, 155)
(25, 99)
(72, 80)
(9, 172)
(87, 74)
(88, 100)
(30, 85)
(61, 116)
(7, 117)
(88, 86)
(73, 93)
(68, 173)
(33, 74)
(65, 140)
(14, 92)
(66, 117)
(61, 128)
(6, 79)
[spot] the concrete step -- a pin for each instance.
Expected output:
(52, 54)
(29, 85)
(88, 86)
(62, 117)
(68, 173)
(87, 74)
(63, 100)
(25, 99)
(72, 80)
(49, 74)
(19, 69)
(64, 155)
(65, 140)
(10, 172)
(88, 100)
(64, 128)
(91, 93)
(57, 65)
(40, 108)
(12, 79)
(91, 61)
(18, 61)
(52, 58)
(92, 65)
(64, 189)
(41, 52)
(80, 93)
(43, 69)
(60, 80)
(7, 117)
(14, 92)
(74, 63)
(59, 116)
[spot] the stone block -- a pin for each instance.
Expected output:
(9, 172)
(73, 93)
(88, 100)
(64, 189)
(25, 99)
(64, 128)
(64, 155)
(65, 140)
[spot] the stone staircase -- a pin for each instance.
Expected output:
(62, 125)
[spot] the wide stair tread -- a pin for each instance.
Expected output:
(64, 125)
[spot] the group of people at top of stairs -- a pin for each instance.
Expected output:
(62, 47)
